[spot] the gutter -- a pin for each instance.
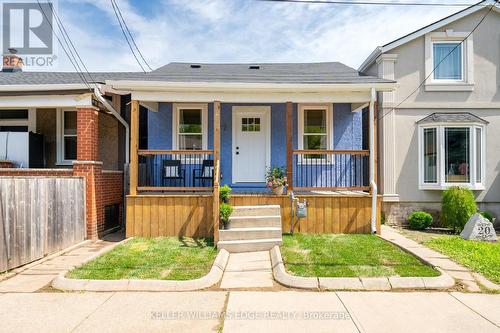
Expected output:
(43, 87)
(117, 115)
(373, 185)
(248, 86)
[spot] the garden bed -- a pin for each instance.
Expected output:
(338, 255)
(163, 258)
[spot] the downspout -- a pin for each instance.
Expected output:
(373, 185)
(117, 115)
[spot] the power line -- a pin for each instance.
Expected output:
(71, 59)
(131, 37)
(376, 3)
(434, 69)
(70, 44)
(125, 35)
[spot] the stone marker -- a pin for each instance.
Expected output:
(479, 228)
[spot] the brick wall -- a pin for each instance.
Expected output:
(111, 193)
(6, 164)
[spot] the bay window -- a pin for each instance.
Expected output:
(451, 154)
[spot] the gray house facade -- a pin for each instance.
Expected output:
(439, 128)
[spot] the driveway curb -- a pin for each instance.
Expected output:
(444, 281)
(212, 278)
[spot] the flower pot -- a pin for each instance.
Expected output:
(278, 190)
(227, 225)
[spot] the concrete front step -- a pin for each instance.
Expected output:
(255, 221)
(234, 246)
(264, 210)
(250, 233)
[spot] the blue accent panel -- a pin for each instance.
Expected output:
(210, 121)
(347, 129)
(278, 135)
(226, 143)
(160, 127)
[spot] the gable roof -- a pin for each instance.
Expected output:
(424, 30)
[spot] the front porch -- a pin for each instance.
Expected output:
(176, 173)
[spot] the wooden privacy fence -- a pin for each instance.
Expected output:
(39, 216)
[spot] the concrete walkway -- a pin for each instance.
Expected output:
(248, 270)
(250, 311)
(460, 273)
(39, 275)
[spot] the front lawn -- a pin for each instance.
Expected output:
(164, 258)
(481, 257)
(334, 255)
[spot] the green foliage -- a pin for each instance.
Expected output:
(276, 177)
(457, 206)
(162, 258)
(225, 211)
(338, 255)
(382, 218)
(487, 215)
(481, 257)
(225, 193)
(420, 220)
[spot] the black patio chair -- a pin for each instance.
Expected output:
(205, 173)
(172, 170)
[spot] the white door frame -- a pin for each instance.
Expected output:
(266, 110)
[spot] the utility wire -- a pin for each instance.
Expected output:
(125, 35)
(70, 45)
(434, 69)
(71, 59)
(131, 37)
(376, 3)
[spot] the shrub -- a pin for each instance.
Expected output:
(225, 193)
(487, 215)
(276, 177)
(225, 211)
(420, 220)
(457, 206)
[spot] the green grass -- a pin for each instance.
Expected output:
(330, 255)
(163, 258)
(481, 257)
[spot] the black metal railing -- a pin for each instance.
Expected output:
(175, 170)
(331, 170)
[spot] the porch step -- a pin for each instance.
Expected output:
(264, 210)
(234, 246)
(250, 233)
(241, 222)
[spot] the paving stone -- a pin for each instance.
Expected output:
(248, 279)
(461, 275)
(471, 286)
(340, 283)
(485, 282)
(376, 283)
(406, 282)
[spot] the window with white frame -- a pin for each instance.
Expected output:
(449, 60)
(314, 128)
(190, 127)
(66, 136)
(451, 154)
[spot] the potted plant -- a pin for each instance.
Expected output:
(225, 211)
(225, 193)
(276, 179)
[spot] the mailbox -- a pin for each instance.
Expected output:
(301, 210)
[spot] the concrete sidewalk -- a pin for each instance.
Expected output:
(40, 274)
(287, 311)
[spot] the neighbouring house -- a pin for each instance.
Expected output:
(446, 132)
(53, 125)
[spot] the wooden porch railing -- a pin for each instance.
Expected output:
(216, 200)
(175, 170)
(330, 170)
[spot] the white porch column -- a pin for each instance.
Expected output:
(387, 130)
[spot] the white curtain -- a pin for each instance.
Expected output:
(448, 60)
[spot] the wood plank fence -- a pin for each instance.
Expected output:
(39, 216)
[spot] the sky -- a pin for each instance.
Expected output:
(228, 31)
